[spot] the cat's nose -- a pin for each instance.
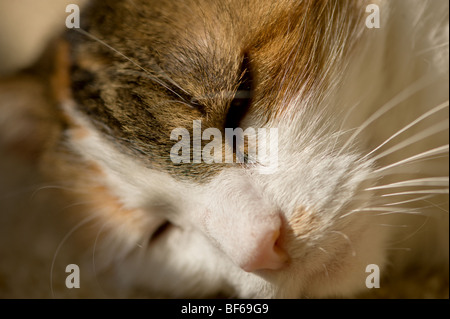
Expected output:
(264, 252)
(251, 241)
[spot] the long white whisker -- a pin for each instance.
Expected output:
(350, 111)
(409, 201)
(412, 212)
(434, 151)
(419, 119)
(431, 181)
(424, 191)
(441, 126)
(386, 210)
(402, 96)
(407, 210)
(377, 176)
(382, 209)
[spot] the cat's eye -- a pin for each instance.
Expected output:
(242, 99)
(239, 108)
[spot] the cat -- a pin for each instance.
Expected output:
(356, 90)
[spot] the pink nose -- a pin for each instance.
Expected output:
(266, 253)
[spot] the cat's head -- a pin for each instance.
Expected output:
(155, 82)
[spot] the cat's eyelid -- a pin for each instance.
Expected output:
(243, 94)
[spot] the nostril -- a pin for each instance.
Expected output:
(267, 254)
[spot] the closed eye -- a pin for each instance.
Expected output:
(239, 108)
(242, 99)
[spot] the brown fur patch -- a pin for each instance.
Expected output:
(60, 79)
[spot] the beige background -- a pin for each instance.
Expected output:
(25, 28)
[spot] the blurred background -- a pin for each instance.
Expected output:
(25, 28)
(30, 228)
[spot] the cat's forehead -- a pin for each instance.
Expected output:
(145, 61)
(201, 43)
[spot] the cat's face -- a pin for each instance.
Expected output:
(146, 68)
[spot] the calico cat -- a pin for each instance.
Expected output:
(360, 186)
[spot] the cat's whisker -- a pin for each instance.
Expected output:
(78, 204)
(413, 233)
(386, 210)
(20, 191)
(412, 213)
(415, 138)
(427, 50)
(94, 266)
(419, 119)
(437, 206)
(406, 209)
(347, 239)
(55, 187)
(334, 138)
(405, 168)
(382, 209)
(432, 181)
(397, 100)
(155, 79)
(399, 248)
(74, 229)
(182, 102)
(422, 191)
(168, 78)
(152, 76)
(394, 226)
(409, 200)
(350, 111)
(432, 152)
